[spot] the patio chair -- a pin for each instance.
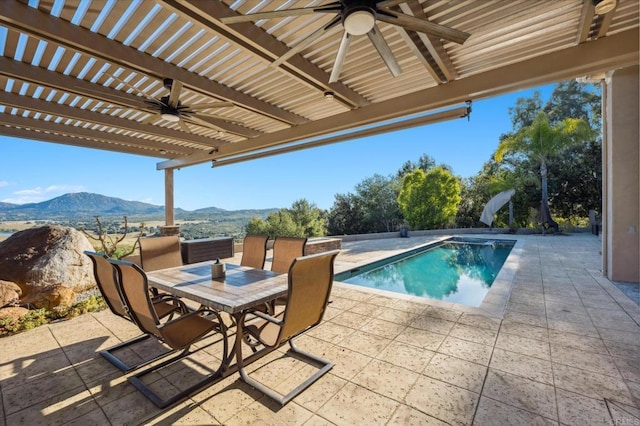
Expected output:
(179, 333)
(285, 250)
(310, 281)
(160, 252)
(254, 251)
(106, 279)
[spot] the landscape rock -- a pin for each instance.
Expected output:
(48, 263)
(13, 313)
(9, 293)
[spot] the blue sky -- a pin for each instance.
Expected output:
(34, 171)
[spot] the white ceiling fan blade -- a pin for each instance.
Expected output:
(384, 50)
(150, 119)
(331, 7)
(423, 26)
(218, 117)
(203, 123)
(342, 54)
(305, 42)
(174, 96)
(184, 126)
(211, 105)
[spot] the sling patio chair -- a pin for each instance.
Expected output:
(160, 252)
(106, 279)
(179, 333)
(310, 280)
(254, 251)
(285, 250)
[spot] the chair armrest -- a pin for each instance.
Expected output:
(266, 317)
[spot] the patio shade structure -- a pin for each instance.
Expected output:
(178, 81)
(495, 204)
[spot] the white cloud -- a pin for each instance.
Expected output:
(3, 183)
(38, 194)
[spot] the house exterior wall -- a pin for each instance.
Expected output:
(621, 197)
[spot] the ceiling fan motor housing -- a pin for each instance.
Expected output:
(358, 16)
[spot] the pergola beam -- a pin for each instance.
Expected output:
(28, 20)
(604, 54)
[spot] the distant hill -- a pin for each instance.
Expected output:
(82, 205)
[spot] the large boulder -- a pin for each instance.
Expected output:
(9, 293)
(48, 264)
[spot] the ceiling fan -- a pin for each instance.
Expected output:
(358, 17)
(170, 108)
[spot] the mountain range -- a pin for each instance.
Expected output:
(87, 205)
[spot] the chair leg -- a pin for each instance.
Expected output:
(123, 366)
(136, 379)
(326, 365)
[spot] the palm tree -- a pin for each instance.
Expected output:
(540, 141)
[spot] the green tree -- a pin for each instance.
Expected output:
(429, 200)
(346, 215)
(540, 141)
(303, 219)
(309, 218)
(379, 195)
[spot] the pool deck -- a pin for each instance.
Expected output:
(553, 343)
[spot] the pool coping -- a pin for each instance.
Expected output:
(495, 301)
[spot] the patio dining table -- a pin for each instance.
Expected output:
(239, 290)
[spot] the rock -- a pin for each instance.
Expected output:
(13, 314)
(46, 262)
(9, 293)
(50, 297)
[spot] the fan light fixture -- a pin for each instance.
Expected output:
(170, 117)
(604, 6)
(359, 22)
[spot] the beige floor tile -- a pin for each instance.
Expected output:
(351, 320)
(387, 379)
(405, 415)
(628, 368)
(524, 330)
(185, 413)
(474, 334)
(523, 345)
(524, 308)
(630, 338)
(38, 342)
(365, 343)
(590, 384)
(41, 388)
(436, 325)
(93, 417)
(407, 356)
(348, 362)
(408, 306)
(522, 365)
(458, 372)
(20, 372)
(603, 364)
(463, 349)
(623, 350)
(269, 412)
(355, 405)
(494, 413)
(528, 395)
(441, 313)
(480, 321)
(623, 414)
(557, 325)
(56, 408)
(316, 395)
(422, 338)
(364, 308)
(316, 420)
(574, 341)
(443, 401)
(579, 410)
(396, 316)
(224, 399)
(331, 332)
(535, 320)
(378, 327)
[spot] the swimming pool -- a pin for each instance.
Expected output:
(459, 270)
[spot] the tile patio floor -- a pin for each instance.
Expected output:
(555, 343)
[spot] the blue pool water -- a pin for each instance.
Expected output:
(457, 270)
